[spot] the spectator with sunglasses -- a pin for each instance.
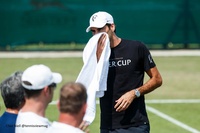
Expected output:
(39, 83)
(123, 104)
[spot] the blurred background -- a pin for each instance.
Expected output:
(61, 24)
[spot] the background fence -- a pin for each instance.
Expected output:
(64, 21)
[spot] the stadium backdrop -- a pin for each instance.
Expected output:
(65, 21)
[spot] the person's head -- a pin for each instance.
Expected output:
(101, 22)
(39, 78)
(73, 99)
(12, 91)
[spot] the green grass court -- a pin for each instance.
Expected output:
(180, 81)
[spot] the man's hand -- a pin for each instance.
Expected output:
(84, 126)
(124, 101)
(100, 46)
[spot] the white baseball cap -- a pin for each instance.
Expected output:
(100, 19)
(39, 76)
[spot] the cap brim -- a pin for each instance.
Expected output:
(57, 78)
(97, 25)
(88, 29)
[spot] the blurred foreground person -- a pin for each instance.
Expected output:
(12, 93)
(72, 106)
(39, 83)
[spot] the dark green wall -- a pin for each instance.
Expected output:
(65, 21)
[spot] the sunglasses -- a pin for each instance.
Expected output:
(53, 85)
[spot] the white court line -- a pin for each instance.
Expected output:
(172, 120)
(54, 102)
(65, 54)
(173, 101)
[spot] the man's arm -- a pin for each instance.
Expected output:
(154, 82)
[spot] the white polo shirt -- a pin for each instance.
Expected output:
(29, 122)
(58, 127)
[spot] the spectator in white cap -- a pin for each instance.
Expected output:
(39, 83)
(123, 104)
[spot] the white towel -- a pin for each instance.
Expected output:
(93, 74)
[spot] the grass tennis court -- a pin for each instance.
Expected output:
(181, 80)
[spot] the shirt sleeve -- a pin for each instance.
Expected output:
(148, 61)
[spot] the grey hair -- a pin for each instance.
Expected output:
(12, 91)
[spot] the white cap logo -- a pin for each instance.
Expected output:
(94, 17)
(100, 19)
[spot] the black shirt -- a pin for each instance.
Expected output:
(127, 64)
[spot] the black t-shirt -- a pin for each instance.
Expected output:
(127, 64)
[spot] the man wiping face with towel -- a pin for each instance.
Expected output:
(122, 104)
